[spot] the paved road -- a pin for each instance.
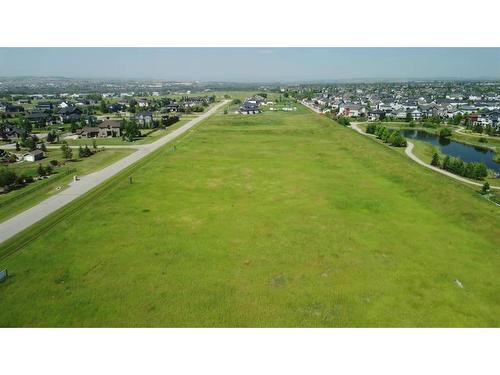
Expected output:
(411, 155)
(27, 218)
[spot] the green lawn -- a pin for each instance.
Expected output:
(278, 219)
(19, 200)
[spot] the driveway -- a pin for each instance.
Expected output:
(25, 219)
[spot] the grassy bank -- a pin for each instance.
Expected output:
(279, 219)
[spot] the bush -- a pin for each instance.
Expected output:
(397, 140)
(483, 140)
(7, 177)
(343, 121)
(370, 129)
(445, 132)
(54, 163)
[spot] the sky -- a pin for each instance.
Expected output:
(253, 64)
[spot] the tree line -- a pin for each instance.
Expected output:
(474, 171)
(393, 137)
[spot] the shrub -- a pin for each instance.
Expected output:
(445, 132)
(7, 177)
(54, 163)
(396, 139)
(370, 129)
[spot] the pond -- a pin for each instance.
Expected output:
(465, 152)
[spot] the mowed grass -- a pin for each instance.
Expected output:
(19, 200)
(278, 219)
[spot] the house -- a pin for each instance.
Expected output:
(416, 114)
(143, 103)
(34, 155)
(11, 108)
(351, 109)
(70, 114)
(172, 107)
(88, 132)
(44, 106)
(8, 131)
(376, 115)
(144, 119)
(109, 128)
(39, 118)
(116, 107)
(249, 108)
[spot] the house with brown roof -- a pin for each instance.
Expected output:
(109, 128)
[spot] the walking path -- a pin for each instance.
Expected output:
(25, 219)
(411, 155)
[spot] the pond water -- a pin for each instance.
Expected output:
(465, 152)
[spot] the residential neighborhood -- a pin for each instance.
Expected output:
(477, 101)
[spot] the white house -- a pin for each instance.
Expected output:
(34, 155)
(142, 103)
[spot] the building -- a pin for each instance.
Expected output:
(34, 155)
(39, 118)
(44, 106)
(109, 128)
(88, 132)
(8, 131)
(70, 114)
(144, 119)
(249, 108)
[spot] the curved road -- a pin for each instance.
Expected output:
(25, 219)
(411, 155)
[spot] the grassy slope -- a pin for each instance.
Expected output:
(269, 220)
(19, 200)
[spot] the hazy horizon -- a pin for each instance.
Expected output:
(253, 65)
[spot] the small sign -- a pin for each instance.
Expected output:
(3, 275)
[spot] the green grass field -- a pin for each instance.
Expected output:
(278, 219)
(19, 200)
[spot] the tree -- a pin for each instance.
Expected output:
(80, 152)
(7, 177)
(94, 144)
(370, 129)
(103, 107)
(43, 147)
(486, 188)
(446, 162)
(408, 117)
(67, 153)
(444, 132)
(396, 139)
(40, 170)
(130, 130)
(436, 160)
(18, 147)
(29, 143)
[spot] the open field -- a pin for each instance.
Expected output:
(278, 219)
(18, 200)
